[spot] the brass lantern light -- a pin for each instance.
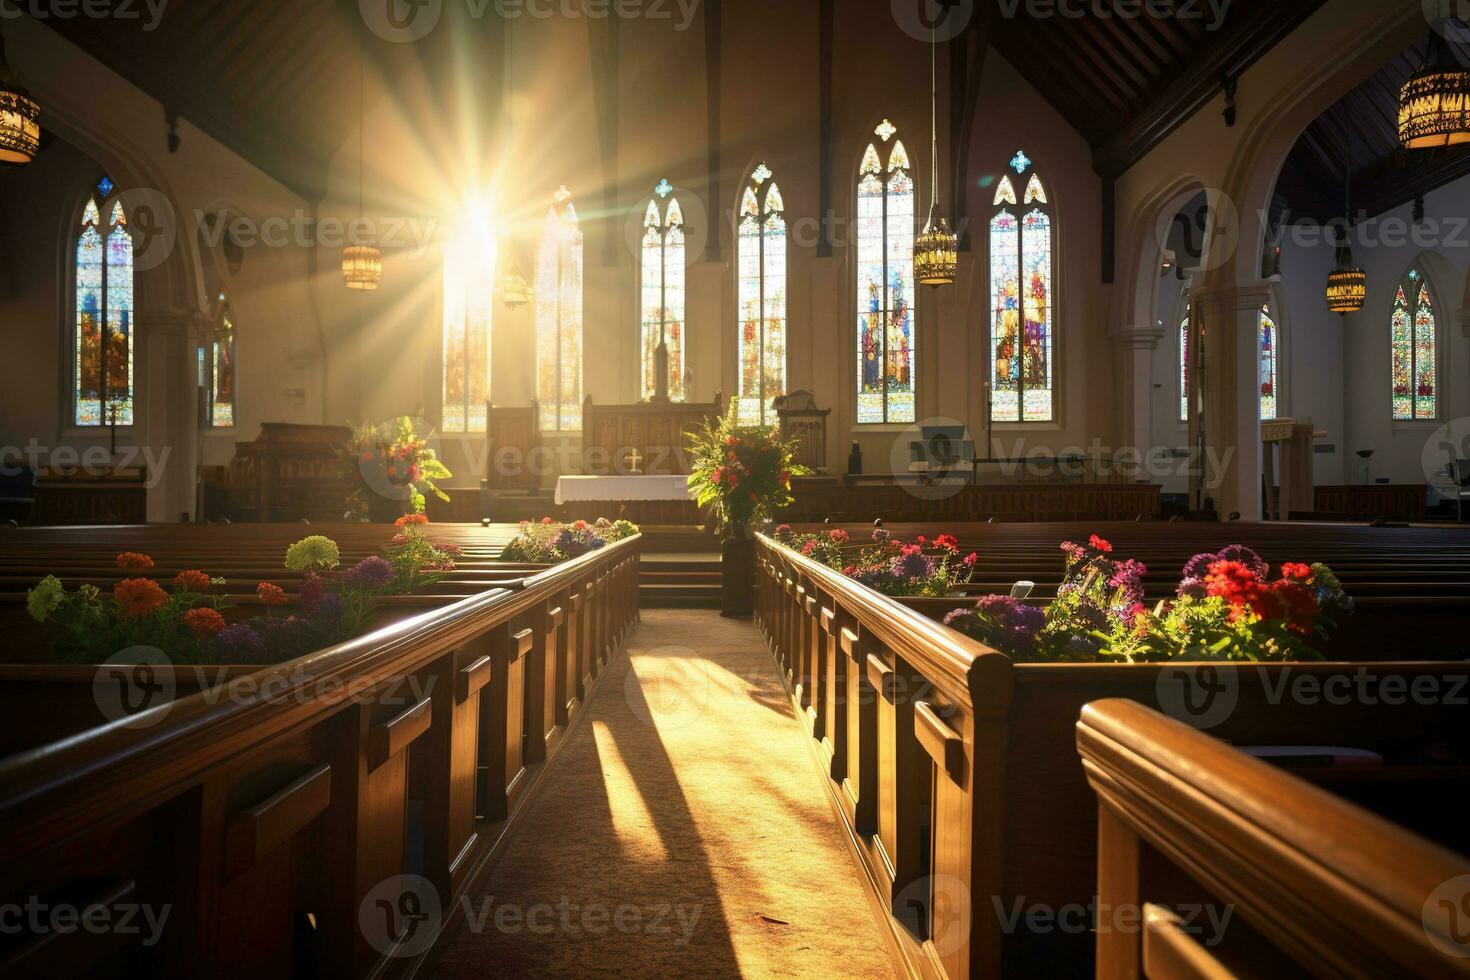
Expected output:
(20, 118)
(362, 264)
(936, 249)
(1434, 104)
(1347, 285)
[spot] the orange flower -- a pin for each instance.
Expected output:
(271, 594)
(133, 562)
(138, 597)
(408, 519)
(204, 622)
(193, 580)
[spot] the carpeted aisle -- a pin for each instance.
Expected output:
(693, 836)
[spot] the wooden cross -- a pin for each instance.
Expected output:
(634, 458)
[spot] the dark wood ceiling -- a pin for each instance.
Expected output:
(274, 80)
(1126, 82)
(1360, 134)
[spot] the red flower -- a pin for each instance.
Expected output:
(948, 542)
(545, 520)
(1296, 570)
(271, 594)
(204, 622)
(1240, 587)
(193, 580)
(785, 478)
(138, 597)
(579, 525)
(971, 558)
(1294, 602)
(1100, 544)
(837, 535)
(921, 539)
(408, 519)
(134, 563)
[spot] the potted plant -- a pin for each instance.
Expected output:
(742, 473)
(391, 469)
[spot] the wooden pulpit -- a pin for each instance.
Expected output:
(1294, 441)
(514, 459)
(655, 434)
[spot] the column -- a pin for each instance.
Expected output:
(1230, 470)
(1135, 348)
(170, 403)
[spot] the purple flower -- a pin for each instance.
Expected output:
(1013, 614)
(911, 566)
(1193, 583)
(1128, 576)
(569, 544)
(329, 609)
(239, 644)
(312, 591)
(370, 573)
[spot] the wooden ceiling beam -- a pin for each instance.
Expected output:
(1232, 50)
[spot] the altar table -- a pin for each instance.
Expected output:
(666, 487)
(647, 499)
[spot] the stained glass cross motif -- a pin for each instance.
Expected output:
(105, 186)
(761, 174)
(1020, 161)
(885, 130)
(664, 188)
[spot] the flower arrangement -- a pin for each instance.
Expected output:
(391, 469)
(187, 620)
(549, 542)
(741, 472)
(137, 612)
(1227, 607)
(887, 564)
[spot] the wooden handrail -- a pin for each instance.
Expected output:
(1339, 890)
(961, 668)
(60, 789)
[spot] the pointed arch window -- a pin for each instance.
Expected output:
(885, 281)
(1021, 299)
(469, 288)
(559, 319)
(1184, 352)
(761, 297)
(1414, 336)
(1269, 335)
(217, 370)
(103, 343)
(663, 291)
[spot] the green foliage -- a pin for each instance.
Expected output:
(742, 473)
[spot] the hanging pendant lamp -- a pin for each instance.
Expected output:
(936, 249)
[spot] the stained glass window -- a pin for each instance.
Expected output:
(1270, 345)
(1021, 276)
(1184, 352)
(469, 286)
(663, 291)
(218, 378)
(1415, 346)
(559, 319)
(762, 297)
(102, 380)
(885, 282)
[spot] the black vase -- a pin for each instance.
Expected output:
(737, 575)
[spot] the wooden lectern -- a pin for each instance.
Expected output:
(1296, 492)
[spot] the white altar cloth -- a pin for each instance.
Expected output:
(570, 488)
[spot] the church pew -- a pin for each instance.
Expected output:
(1313, 885)
(953, 770)
(299, 825)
